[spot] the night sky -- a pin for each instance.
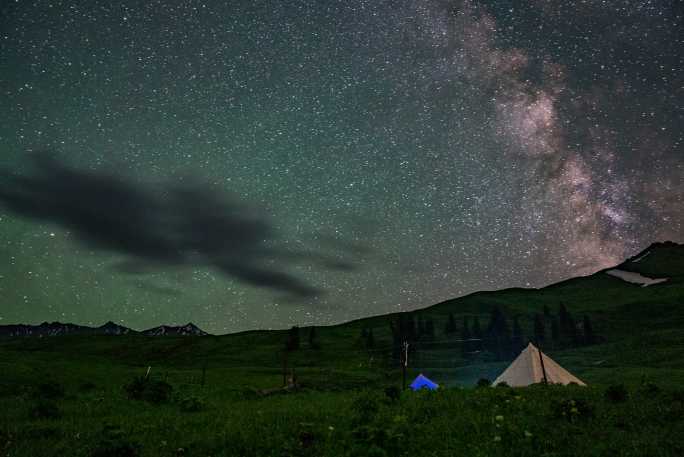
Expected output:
(259, 164)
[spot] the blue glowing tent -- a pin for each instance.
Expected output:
(421, 382)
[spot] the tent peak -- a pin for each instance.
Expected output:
(422, 381)
(533, 366)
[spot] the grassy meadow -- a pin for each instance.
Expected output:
(78, 395)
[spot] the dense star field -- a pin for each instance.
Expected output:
(262, 164)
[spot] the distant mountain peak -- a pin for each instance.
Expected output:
(188, 329)
(108, 328)
(112, 328)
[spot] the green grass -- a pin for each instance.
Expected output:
(489, 421)
(333, 414)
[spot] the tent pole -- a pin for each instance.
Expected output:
(541, 359)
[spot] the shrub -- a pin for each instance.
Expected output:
(49, 390)
(617, 393)
(393, 393)
(10, 389)
(114, 444)
(136, 388)
(650, 388)
(306, 435)
(678, 397)
(503, 384)
(366, 407)
(45, 409)
(572, 409)
(484, 382)
(191, 404)
(38, 433)
(149, 390)
(87, 386)
(387, 434)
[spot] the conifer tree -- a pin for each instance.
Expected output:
(568, 329)
(477, 335)
(450, 326)
(370, 340)
(555, 332)
(517, 339)
(466, 344)
(292, 343)
(410, 328)
(539, 329)
(429, 329)
(589, 337)
(498, 335)
(421, 327)
(403, 329)
(313, 339)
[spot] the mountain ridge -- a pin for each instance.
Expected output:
(55, 328)
(644, 262)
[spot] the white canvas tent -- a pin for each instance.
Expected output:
(529, 368)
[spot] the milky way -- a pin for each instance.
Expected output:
(276, 163)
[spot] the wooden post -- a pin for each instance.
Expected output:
(285, 368)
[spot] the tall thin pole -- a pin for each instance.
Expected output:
(541, 359)
(285, 368)
(404, 365)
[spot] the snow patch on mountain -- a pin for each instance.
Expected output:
(635, 278)
(641, 257)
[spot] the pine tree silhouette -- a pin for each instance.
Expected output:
(589, 337)
(429, 329)
(517, 340)
(370, 340)
(313, 339)
(555, 333)
(498, 335)
(477, 335)
(539, 329)
(450, 326)
(466, 344)
(292, 343)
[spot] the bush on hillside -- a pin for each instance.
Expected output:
(573, 409)
(366, 407)
(152, 391)
(45, 409)
(49, 390)
(616, 393)
(113, 443)
(191, 404)
(87, 386)
(484, 382)
(650, 388)
(678, 397)
(393, 393)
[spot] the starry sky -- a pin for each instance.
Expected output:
(261, 164)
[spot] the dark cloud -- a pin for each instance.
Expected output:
(335, 242)
(156, 289)
(187, 224)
